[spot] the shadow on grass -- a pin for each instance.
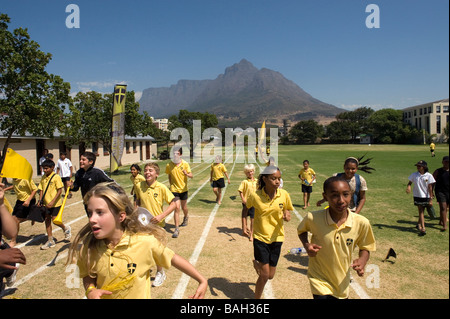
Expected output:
(232, 290)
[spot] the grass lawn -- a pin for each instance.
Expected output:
(421, 269)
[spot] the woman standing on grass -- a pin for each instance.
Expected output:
(272, 207)
(442, 191)
(422, 192)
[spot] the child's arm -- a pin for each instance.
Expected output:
(27, 202)
(183, 265)
(286, 215)
(9, 226)
(408, 187)
(226, 174)
(244, 201)
(91, 289)
(359, 264)
(311, 249)
(172, 206)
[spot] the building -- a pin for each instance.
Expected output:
(136, 150)
(431, 117)
(162, 124)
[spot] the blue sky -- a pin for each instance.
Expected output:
(323, 46)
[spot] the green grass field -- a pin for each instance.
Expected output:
(225, 257)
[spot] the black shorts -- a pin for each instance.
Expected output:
(220, 183)
(419, 201)
(306, 189)
(181, 196)
(442, 197)
(53, 211)
(250, 212)
(65, 179)
(267, 253)
(21, 211)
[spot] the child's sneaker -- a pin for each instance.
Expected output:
(185, 222)
(48, 244)
(67, 233)
(176, 233)
(159, 278)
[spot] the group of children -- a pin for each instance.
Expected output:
(122, 241)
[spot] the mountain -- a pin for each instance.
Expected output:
(243, 95)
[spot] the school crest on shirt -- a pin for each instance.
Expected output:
(349, 241)
(131, 267)
(281, 205)
(155, 195)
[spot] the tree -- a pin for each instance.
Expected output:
(306, 132)
(31, 100)
(387, 126)
(355, 121)
(89, 119)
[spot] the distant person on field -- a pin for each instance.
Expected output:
(358, 184)
(422, 192)
(432, 149)
(52, 201)
(247, 187)
(136, 177)
(336, 232)
(42, 159)
(64, 169)
(218, 172)
(308, 177)
(441, 191)
(178, 172)
(88, 176)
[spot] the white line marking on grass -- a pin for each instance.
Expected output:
(184, 280)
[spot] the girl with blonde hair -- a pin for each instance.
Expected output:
(119, 246)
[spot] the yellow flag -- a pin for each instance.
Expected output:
(16, 166)
(118, 126)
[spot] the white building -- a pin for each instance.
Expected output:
(431, 117)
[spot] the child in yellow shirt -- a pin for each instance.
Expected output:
(118, 251)
(218, 171)
(151, 195)
(52, 201)
(272, 207)
(308, 177)
(336, 231)
(247, 187)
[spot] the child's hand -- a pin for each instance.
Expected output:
(408, 189)
(359, 266)
(201, 291)
(287, 215)
(312, 249)
(97, 293)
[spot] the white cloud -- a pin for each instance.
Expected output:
(137, 95)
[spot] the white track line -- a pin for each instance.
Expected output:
(184, 280)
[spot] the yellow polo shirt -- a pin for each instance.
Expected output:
(125, 269)
(153, 197)
(308, 175)
(218, 171)
(268, 223)
(177, 177)
(55, 184)
(23, 188)
(247, 187)
(329, 271)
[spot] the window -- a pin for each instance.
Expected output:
(430, 109)
(438, 124)
(438, 109)
(445, 108)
